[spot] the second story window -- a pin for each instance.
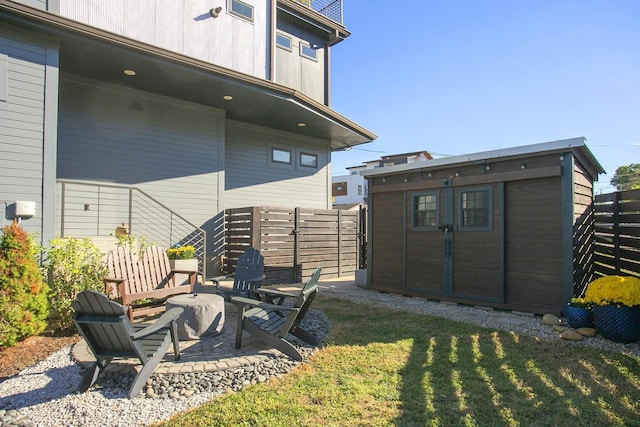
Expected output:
(308, 160)
(241, 9)
(283, 41)
(308, 52)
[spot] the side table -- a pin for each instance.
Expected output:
(203, 315)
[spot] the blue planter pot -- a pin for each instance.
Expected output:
(619, 324)
(579, 317)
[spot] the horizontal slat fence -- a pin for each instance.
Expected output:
(294, 241)
(617, 231)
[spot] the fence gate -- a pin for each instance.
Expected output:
(294, 241)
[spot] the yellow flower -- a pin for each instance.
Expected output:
(183, 252)
(618, 290)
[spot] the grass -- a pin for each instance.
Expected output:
(385, 367)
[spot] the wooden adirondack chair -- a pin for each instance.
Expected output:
(106, 328)
(271, 323)
(249, 273)
(148, 276)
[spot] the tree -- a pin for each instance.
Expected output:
(627, 177)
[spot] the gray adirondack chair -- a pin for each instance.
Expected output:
(106, 328)
(271, 323)
(249, 273)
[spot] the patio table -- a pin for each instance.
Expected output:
(203, 315)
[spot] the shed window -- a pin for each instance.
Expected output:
(242, 10)
(475, 209)
(425, 210)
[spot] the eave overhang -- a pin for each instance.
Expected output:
(572, 145)
(101, 55)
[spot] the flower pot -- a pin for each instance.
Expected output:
(619, 324)
(183, 265)
(579, 317)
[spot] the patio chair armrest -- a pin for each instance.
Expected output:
(275, 293)
(113, 280)
(242, 301)
(162, 322)
(216, 280)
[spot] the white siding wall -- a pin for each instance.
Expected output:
(252, 181)
(166, 147)
(22, 74)
(353, 182)
(183, 26)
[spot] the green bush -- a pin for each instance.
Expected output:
(73, 265)
(23, 293)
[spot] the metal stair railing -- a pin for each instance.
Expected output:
(92, 209)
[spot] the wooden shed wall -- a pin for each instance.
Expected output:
(520, 264)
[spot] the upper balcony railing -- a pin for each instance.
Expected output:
(331, 9)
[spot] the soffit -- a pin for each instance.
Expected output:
(93, 53)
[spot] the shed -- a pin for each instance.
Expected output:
(510, 228)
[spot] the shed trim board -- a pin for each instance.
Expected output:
(521, 259)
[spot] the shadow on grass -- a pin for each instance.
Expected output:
(457, 374)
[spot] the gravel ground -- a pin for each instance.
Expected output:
(43, 395)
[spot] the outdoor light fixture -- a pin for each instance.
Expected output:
(227, 97)
(215, 12)
(488, 167)
(523, 166)
(457, 173)
(303, 125)
(129, 72)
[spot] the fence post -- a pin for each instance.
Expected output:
(339, 243)
(297, 269)
(616, 230)
(256, 231)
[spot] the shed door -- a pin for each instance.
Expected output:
(454, 242)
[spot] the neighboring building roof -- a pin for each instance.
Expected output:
(565, 144)
(102, 55)
(406, 155)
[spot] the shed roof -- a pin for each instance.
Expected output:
(564, 145)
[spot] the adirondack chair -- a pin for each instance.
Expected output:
(106, 328)
(249, 273)
(147, 277)
(271, 323)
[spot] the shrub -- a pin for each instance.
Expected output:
(73, 265)
(23, 293)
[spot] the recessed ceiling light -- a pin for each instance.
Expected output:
(302, 124)
(227, 97)
(129, 72)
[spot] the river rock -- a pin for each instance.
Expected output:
(586, 332)
(571, 335)
(550, 319)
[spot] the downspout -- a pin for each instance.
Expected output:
(272, 42)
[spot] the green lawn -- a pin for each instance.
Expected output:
(385, 367)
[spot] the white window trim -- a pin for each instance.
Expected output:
(304, 55)
(289, 49)
(239, 15)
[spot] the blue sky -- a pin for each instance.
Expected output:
(455, 77)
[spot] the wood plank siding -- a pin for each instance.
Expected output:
(169, 148)
(251, 179)
(25, 60)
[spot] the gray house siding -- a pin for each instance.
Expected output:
(168, 148)
(252, 180)
(28, 112)
(298, 72)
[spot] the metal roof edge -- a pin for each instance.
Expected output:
(563, 144)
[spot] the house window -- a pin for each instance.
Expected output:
(309, 160)
(241, 10)
(283, 41)
(280, 155)
(359, 190)
(339, 189)
(475, 209)
(308, 52)
(425, 210)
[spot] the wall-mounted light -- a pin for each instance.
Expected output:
(24, 210)
(215, 12)
(457, 173)
(384, 179)
(406, 180)
(430, 175)
(561, 156)
(523, 166)
(488, 167)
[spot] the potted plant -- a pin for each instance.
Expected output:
(579, 313)
(182, 258)
(616, 307)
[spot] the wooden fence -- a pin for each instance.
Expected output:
(617, 233)
(294, 241)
